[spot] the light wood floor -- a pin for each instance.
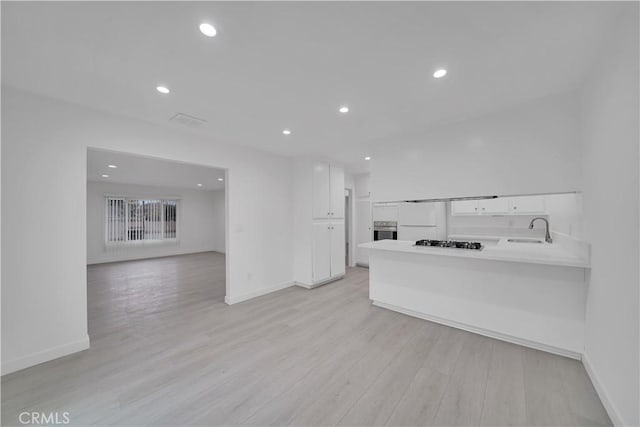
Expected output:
(166, 350)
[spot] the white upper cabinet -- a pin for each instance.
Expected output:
(336, 179)
(465, 207)
(328, 191)
(499, 205)
(321, 191)
(362, 186)
(526, 205)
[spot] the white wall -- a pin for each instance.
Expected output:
(200, 222)
(610, 135)
(45, 141)
(566, 213)
(528, 149)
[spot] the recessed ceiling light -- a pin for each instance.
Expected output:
(440, 73)
(286, 132)
(220, 179)
(104, 175)
(368, 158)
(112, 166)
(208, 30)
(344, 109)
(199, 185)
(163, 89)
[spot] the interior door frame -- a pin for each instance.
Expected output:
(226, 202)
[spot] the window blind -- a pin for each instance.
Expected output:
(135, 220)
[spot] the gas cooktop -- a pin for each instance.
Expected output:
(449, 244)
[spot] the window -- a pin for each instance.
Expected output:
(129, 220)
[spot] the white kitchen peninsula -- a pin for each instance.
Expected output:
(528, 294)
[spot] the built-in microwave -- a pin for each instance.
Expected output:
(385, 230)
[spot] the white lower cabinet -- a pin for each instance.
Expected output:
(338, 255)
(328, 251)
(321, 251)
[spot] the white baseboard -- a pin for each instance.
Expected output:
(239, 298)
(480, 331)
(123, 256)
(303, 285)
(315, 285)
(611, 409)
(45, 355)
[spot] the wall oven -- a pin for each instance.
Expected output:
(385, 230)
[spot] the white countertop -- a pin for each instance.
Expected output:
(533, 253)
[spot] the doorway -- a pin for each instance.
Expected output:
(156, 239)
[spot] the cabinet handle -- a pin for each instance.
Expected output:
(475, 209)
(515, 207)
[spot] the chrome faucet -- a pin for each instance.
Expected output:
(547, 236)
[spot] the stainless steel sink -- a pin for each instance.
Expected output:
(525, 240)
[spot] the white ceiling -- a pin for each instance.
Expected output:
(292, 64)
(151, 171)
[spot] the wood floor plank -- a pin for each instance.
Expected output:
(504, 400)
(585, 405)
(462, 402)
(446, 350)
(379, 400)
(547, 402)
(421, 400)
(343, 391)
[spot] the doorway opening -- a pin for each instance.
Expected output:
(156, 240)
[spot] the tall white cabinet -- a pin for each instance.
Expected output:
(319, 228)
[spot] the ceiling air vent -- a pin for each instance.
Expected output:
(187, 120)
